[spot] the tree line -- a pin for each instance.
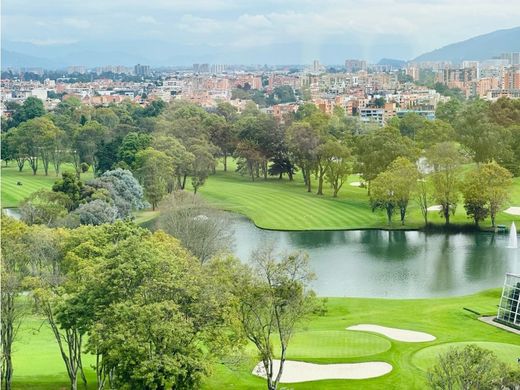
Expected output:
(151, 314)
(168, 146)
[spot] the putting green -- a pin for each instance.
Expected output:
(335, 344)
(426, 357)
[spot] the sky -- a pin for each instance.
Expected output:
(205, 30)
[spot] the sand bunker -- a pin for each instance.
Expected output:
(356, 184)
(436, 207)
(513, 211)
(304, 372)
(409, 336)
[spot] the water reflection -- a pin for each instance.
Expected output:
(398, 264)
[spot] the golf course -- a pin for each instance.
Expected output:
(322, 339)
(273, 203)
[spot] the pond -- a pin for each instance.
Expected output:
(391, 264)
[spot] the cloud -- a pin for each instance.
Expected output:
(77, 23)
(48, 42)
(147, 20)
(197, 25)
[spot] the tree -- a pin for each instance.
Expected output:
(44, 207)
(153, 168)
(410, 124)
(125, 192)
(201, 229)
(338, 165)
(147, 290)
(475, 200)
(378, 148)
(222, 132)
(96, 212)
(433, 132)
(203, 163)
(393, 188)
(31, 108)
(71, 186)
(132, 144)
(87, 140)
(182, 160)
(272, 303)
(448, 111)
(302, 141)
(484, 140)
(31, 140)
(13, 269)
(471, 367)
(446, 160)
(497, 181)
(52, 288)
(15, 147)
(423, 195)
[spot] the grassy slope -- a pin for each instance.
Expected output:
(271, 204)
(322, 340)
(13, 194)
(284, 205)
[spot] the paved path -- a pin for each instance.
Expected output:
(489, 320)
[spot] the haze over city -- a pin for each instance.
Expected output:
(289, 32)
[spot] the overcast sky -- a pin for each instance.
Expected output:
(422, 24)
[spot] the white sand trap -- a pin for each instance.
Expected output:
(356, 184)
(409, 336)
(304, 372)
(513, 210)
(436, 207)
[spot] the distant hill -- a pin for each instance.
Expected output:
(12, 59)
(392, 62)
(481, 47)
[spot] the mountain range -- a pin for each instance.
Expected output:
(478, 48)
(157, 52)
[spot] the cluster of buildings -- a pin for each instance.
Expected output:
(488, 79)
(373, 93)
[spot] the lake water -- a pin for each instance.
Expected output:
(397, 264)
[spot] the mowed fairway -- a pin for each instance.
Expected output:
(323, 339)
(13, 194)
(286, 205)
(272, 203)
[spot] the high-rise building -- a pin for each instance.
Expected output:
(316, 67)
(352, 66)
(142, 70)
(76, 69)
(201, 68)
(511, 79)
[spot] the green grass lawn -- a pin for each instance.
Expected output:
(284, 205)
(321, 340)
(270, 204)
(13, 194)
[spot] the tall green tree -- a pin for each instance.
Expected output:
(378, 148)
(497, 187)
(272, 303)
(393, 188)
(475, 200)
(153, 168)
(337, 165)
(303, 141)
(14, 268)
(446, 160)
